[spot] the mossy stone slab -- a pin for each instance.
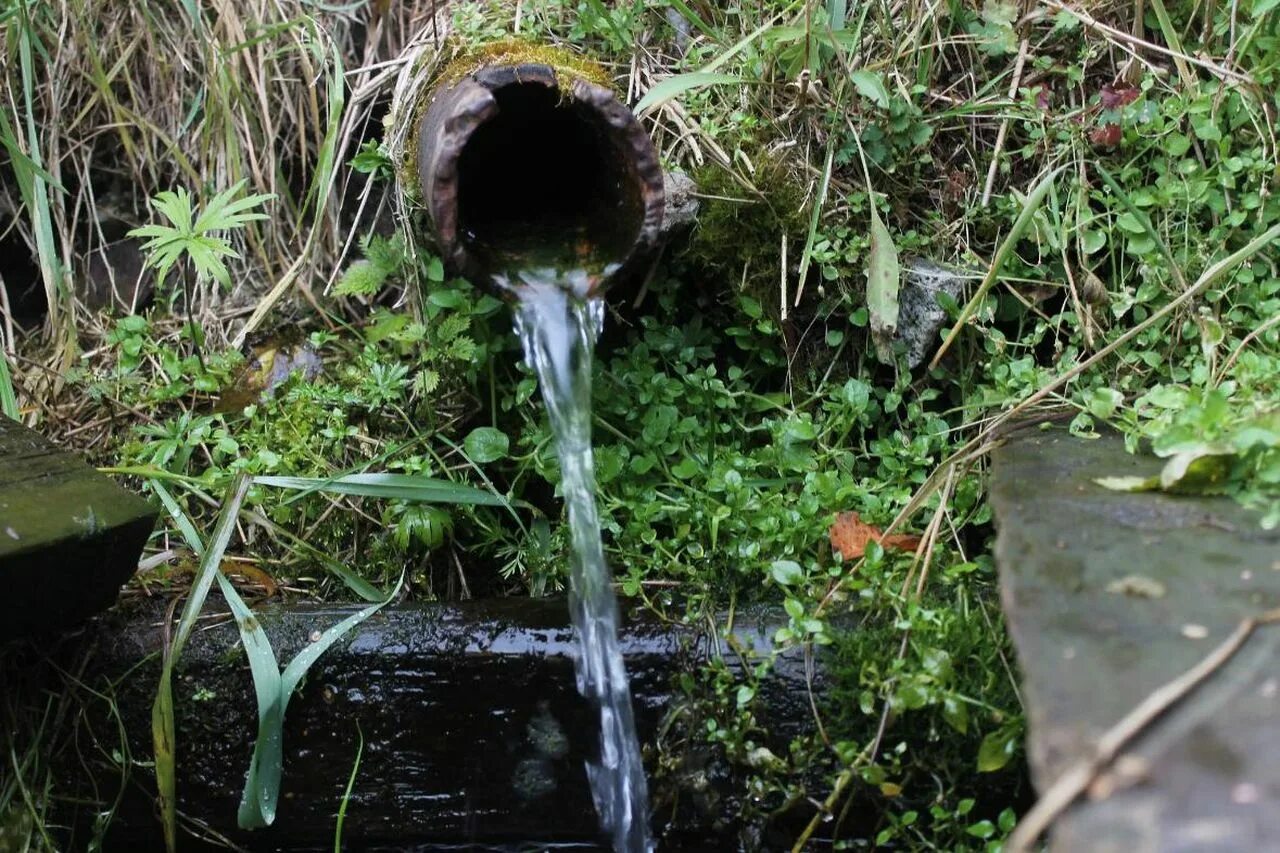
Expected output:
(1110, 595)
(69, 536)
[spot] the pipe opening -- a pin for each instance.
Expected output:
(542, 183)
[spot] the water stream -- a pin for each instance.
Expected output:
(558, 329)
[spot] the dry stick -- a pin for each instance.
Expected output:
(1004, 124)
(1074, 781)
(1119, 35)
(1248, 339)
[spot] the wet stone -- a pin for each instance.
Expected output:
(1110, 595)
(69, 536)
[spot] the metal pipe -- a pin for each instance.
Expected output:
(520, 167)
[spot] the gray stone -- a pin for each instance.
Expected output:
(1110, 595)
(920, 317)
(681, 208)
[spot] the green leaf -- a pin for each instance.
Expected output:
(673, 87)
(1129, 484)
(8, 400)
(997, 749)
(163, 734)
(786, 572)
(882, 287)
(486, 444)
(956, 713)
(1103, 402)
(870, 85)
(409, 487)
(274, 690)
(1204, 471)
(1032, 204)
(687, 468)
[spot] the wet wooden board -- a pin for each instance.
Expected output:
(69, 536)
(1110, 595)
(473, 728)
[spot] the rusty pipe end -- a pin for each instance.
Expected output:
(516, 164)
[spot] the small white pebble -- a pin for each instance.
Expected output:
(1246, 575)
(1194, 632)
(13, 534)
(1068, 653)
(1269, 688)
(1245, 793)
(315, 636)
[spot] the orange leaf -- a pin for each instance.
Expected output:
(850, 535)
(251, 573)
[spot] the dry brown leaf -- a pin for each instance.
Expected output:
(251, 574)
(850, 535)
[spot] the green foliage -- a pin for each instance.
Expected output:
(384, 258)
(373, 159)
(197, 236)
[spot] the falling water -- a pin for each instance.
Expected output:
(558, 328)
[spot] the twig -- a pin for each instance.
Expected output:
(1248, 339)
(1078, 778)
(1119, 35)
(1004, 125)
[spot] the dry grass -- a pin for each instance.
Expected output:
(129, 99)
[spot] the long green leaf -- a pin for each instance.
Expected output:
(815, 216)
(1005, 249)
(674, 87)
(36, 194)
(262, 786)
(8, 399)
(163, 734)
(180, 518)
(408, 487)
(346, 794)
(883, 280)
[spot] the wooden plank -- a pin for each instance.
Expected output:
(69, 536)
(1110, 595)
(473, 728)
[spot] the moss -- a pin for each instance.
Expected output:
(523, 52)
(733, 236)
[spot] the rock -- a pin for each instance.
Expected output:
(113, 278)
(681, 202)
(1110, 595)
(920, 317)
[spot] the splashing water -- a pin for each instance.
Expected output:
(558, 329)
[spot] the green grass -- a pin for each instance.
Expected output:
(1124, 277)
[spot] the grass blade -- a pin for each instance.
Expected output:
(1020, 225)
(262, 786)
(674, 87)
(258, 800)
(408, 487)
(8, 399)
(815, 216)
(346, 795)
(163, 735)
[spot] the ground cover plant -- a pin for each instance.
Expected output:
(1102, 176)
